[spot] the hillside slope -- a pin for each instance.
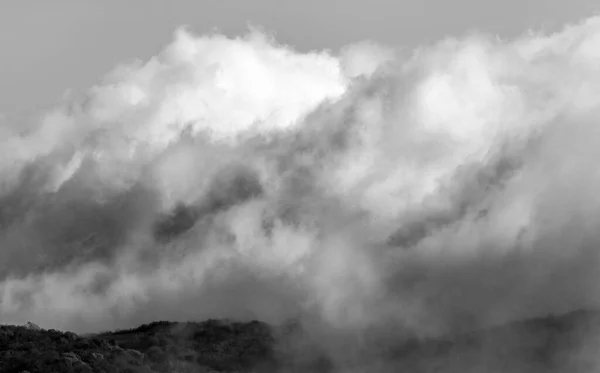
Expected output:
(567, 343)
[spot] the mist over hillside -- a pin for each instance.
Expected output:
(370, 194)
(550, 344)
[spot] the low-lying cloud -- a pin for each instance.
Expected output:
(447, 189)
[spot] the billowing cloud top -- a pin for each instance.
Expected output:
(451, 188)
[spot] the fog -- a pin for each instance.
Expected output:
(444, 189)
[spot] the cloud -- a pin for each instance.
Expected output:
(447, 189)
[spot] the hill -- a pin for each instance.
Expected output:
(567, 343)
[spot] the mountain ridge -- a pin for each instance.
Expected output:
(563, 343)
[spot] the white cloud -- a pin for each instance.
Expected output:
(457, 184)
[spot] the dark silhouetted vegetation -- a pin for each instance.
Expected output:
(157, 347)
(567, 343)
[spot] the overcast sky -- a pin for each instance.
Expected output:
(49, 47)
